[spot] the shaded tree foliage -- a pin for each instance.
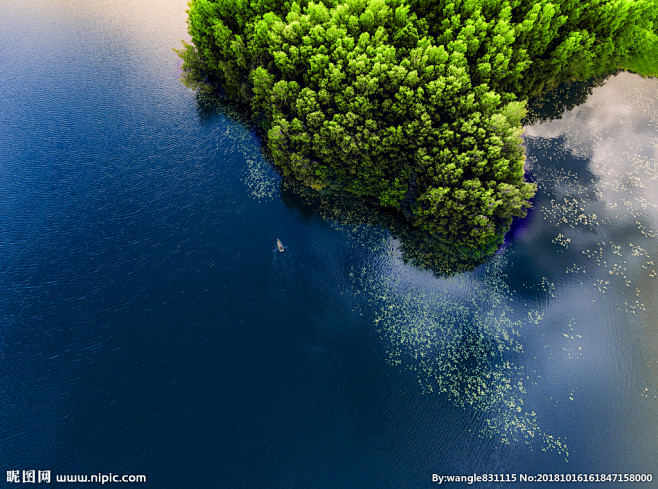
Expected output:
(443, 255)
(416, 103)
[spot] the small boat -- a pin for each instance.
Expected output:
(280, 245)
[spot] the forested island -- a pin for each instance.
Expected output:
(415, 103)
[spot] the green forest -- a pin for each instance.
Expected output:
(414, 103)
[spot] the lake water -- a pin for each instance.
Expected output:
(148, 325)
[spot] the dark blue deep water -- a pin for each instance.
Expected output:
(148, 326)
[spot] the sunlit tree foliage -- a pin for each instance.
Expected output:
(416, 103)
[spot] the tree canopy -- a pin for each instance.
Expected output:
(416, 103)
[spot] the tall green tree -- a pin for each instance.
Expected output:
(416, 103)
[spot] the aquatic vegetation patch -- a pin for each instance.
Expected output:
(462, 339)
